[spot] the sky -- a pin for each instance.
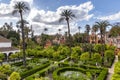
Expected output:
(46, 13)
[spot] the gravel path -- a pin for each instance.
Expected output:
(111, 70)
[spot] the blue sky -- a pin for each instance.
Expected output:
(45, 13)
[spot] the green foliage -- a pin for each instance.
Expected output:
(14, 36)
(5, 69)
(109, 55)
(13, 56)
(117, 68)
(2, 56)
(119, 55)
(96, 57)
(116, 75)
(3, 76)
(103, 74)
(64, 50)
(76, 52)
(110, 47)
(85, 56)
(98, 48)
(15, 76)
(32, 71)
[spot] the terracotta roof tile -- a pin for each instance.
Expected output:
(8, 49)
(2, 39)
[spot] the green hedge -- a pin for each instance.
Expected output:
(103, 74)
(57, 72)
(34, 70)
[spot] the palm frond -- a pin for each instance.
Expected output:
(61, 19)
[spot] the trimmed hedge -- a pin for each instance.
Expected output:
(103, 74)
(86, 68)
(41, 72)
(34, 70)
(57, 72)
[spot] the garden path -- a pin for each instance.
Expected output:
(111, 70)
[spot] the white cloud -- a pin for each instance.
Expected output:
(50, 19)
(6, 9)
(115, 16)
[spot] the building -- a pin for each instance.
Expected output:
(6, 47)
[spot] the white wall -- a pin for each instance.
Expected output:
(5, 44)
(7, 52)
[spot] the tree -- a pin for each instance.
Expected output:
(67, 15)
(115, 30)
(79, 29)
(85, 57)
(59, 30)
(45, 30)
(102, 27)
(94, 28)
(21, 7)
(87, 31)
(15, 76)
(14, 36)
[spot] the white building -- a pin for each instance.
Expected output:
(6, 46)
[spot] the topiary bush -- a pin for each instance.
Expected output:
(85, 57)
(15, 76)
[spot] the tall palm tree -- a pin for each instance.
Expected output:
(94, 29)
(102, 27)
(45, 30)
(59, 30)
(87, 31)
(79, 29)
(20, 7)
(67, 15)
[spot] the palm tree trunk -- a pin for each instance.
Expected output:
(69, 35)
(23, 39)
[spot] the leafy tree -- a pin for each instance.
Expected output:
(109, 55)
(115, 30)
(5, 69)
(76, 52)
(15, 76)
(21, 7)
(97, 57)
(85, 57)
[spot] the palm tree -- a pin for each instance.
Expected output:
(79, 29)
(20, 7)
(67, 15)
(87, 31)
(45, 30)
(59, 30)
(102, 27)
(94, 29)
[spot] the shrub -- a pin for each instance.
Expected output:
(85, 57)
(103, 74)
(15, 76)
(32, 71)
(116, 75)
(99, 48)
(109, 55)
(96, 57)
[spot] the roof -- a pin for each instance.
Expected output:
(3, 49)
(2, 39)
